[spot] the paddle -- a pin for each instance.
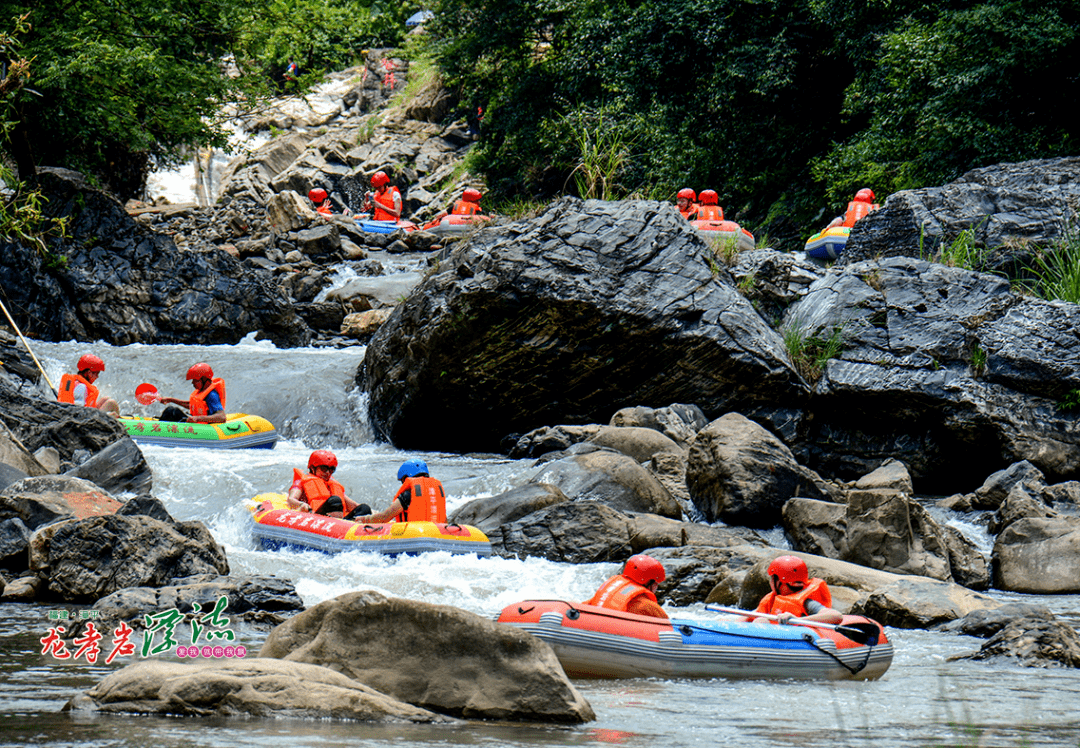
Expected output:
(859, 632)
(147, 393)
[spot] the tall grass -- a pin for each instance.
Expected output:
(810, 352)
(603, 146)
(963, 252)
(1056, 271)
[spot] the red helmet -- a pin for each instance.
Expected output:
(321, 457)
(709, 197)
(788, 569)
(644, 569)
(200, 371)
(317, 195)
(865, 195)
(473, 196)
(379, 178)
(91, 362)
(688, 193)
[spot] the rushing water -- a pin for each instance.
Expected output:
(923, 700)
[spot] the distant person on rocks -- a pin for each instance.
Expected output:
(79, 389)
(708, 210)
(795, 595)
(685, 202)
(421, 498)
(633, 591)
(861, 206)
(207, 402)
(318, 492)
(322, 202)
(292, 71)
(385, 202)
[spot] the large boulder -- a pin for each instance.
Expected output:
(1038, 555)
(256, 687)
(123, 283)
(913, 603)
(969, 373)
(91, 558)
(42, 501)
(558, 318)
(433, 656)
(740, 473)
(1033, 643)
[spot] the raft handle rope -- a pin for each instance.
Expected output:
(28, 349)
(812, 641)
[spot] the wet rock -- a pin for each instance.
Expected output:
(1039, 556)
(362, 325)
(433, 656)
(255, 687)
(678, 422)
(914, 603)
(986, 623)
(91, 558)
(996, 488)
(15, 456)
(547, 439)
(576, 532)
(119, 468)
(529, 324)
(1033, 643)
(966, 562)
(14, 544)
(891, 474)
(490, 513)
(42, 501)
(611, 478)
(322, 315)
(740, 473)
(1020, 503)
(638, 443)
(887, 530)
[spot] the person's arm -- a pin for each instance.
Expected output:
(296, 499)
(396, 210)
(385, 515)
(818, 612)
(174, 401)
(643, 606)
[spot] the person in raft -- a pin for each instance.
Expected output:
(709, 210)
(318, 492)
(633, 591)
(795, 595)
(321, 201)
(685, 202)
(79, 389)
(207, 402)
(421, 498)
(385, 201)
(861, 206)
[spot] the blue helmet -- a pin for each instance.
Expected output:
(411, 469)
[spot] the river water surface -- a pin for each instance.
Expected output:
(923, 700)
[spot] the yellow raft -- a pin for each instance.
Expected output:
(275, 527)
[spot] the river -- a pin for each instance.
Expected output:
(923, 700)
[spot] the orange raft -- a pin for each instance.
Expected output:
(455, 225)
(719, 231)
(593, 642)
(276, 527)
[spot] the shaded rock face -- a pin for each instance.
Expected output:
(433, 656)
(740, 473)
(125, 284)
(42, 501)
(558, 319)
(250, 686)
(968, 373)
(1029, 202)
(91, 558)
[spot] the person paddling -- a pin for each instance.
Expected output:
(79, 389)
(633, 591)
(207, 402)
(795, 595)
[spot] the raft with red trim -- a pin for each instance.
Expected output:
(277, 527)
(593, 642)
(454, 225)
(827, 244)
(718, 231)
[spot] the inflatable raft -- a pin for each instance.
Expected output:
(276, 527)
(240, 431)
(718, 231)
(593, 642)
(454, 225)
(382, 227)
(828, 244)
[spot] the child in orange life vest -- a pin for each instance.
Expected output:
(685, 202)
(318, 492)
(633, 591)
(79, 389)
(860, 206)
(421, 498)
(795, 595)
(385, 201)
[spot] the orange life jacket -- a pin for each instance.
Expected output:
(427, 501)
(465, 208)
(316, 491)
(691, 212)
(710, 213)
(856, 210)
(67, 390)
(795, 604)
(324, 208)
(618, 592)
(383, 200)
(197, 403)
